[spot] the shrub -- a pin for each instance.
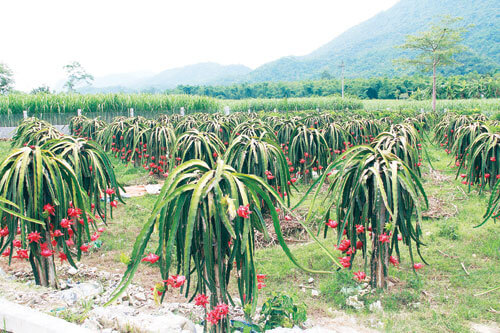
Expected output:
(281, 311)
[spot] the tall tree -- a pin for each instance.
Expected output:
(43, 89)
(325, 75)
(76, 75)
(6, 79)
(435, 47)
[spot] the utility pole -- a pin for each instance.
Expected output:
(342, 74)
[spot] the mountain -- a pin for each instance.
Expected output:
(198, 74)
(124, 79)
(368, 49)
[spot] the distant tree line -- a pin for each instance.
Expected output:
(414, 87)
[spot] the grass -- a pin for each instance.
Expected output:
(129, 175)
(4, 149)
(443, 297)
(77, 316)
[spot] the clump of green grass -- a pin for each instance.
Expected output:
(339, 287)
(400, 299)
(76, 314)
(449, 230)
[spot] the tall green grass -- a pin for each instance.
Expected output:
(487, 106)
(294, 104)
(47, 105)
(65, 103)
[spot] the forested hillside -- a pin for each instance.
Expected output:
(368, 49)
(417, 87)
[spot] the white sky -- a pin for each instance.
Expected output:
(122, 36)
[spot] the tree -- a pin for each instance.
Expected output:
(76, 75)
(43, 89)
(325, 75)
(6, 80)
(435, 47)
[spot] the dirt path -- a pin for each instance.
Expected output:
(140, 190)
(16, 285)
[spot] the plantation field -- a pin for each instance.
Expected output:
(455, 290)
(440, 298)
(380, 220)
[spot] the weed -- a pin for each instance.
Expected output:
(449, 230)
(339, 287)
(397, 300)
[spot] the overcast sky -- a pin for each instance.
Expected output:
(122, 36)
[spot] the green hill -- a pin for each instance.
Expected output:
(369, 48)
(199, 74)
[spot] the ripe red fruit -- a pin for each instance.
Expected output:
(84, 247)
(49, 209)
(175, 281)
(4, 231)
(384, 238)
(151, 257)
(360, 276)
(63, 256)
(393, 260)
(65, 223)
(244, 211)
(201, 300)
(22, 254)
(46, 252)
(34, 237)
(344, 245)
(345, 261)
(332, 224)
